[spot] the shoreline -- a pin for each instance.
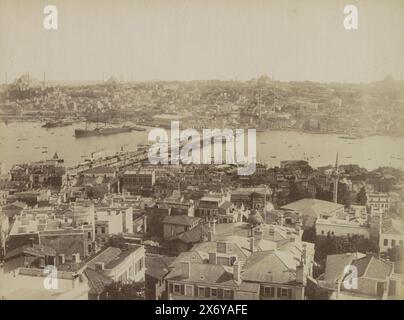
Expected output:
(368, 135)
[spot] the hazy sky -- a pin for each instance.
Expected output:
(202, 39)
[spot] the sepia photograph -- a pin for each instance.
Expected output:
(211, 150)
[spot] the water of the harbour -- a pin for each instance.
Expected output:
(27, 141)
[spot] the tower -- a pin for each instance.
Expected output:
(335, 176)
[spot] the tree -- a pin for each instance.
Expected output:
(117, 241)
(361, 197)
(395, 253)
(325, 195)
(344, 196)
(309, 235)
(335, 245)
(255, 219)
(297, 192)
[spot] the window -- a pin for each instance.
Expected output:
(177, 288)
(269, 291)
(393, 243)
(89, 235)
(103, 230)
(322, 231)
(189, 290)
(386, 242)
(213, 292)
(284, 293)
(227, 294)
(201, 292)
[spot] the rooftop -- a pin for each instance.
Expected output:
(313, 207)
(182, 220)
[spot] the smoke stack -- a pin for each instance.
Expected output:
(237, 271)
(252, 244)
(210, 236)
(144, 224)
(300, 278)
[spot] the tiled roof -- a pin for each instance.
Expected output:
(96, 281)
(194, 235)
(367, 265)
(99, 170)
(35, 250)
(211, 246)
(190, 256)
(157, 266)
(249, 191)
(112, 256)
(204, 273)
(270, 266)
(18, 204)
(313, 207)
(225, 205)
(105, 256)
(336, 263)
(370, 267)
(181, 220)
(393, 226)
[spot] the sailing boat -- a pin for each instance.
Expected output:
(80, 133)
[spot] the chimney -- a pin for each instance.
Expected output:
(99, 266)
(304, 254)
(144, 224)
(212, 258)
(282, 220)
(186, 269)
(76, 257)
(61, 259)
(252, 244)
(298, 226)
(237, 271)
(210, 236)
(300, 278)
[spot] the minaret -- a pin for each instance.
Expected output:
(335, 175)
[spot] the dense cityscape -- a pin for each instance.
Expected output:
(115, 226)
(355, 109)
